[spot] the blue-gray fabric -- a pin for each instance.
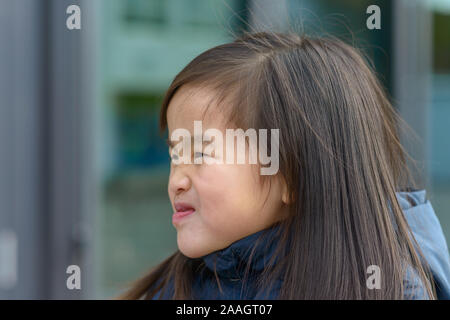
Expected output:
(428, 233)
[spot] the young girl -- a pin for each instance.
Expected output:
(334, 222)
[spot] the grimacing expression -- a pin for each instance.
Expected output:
(228, 199)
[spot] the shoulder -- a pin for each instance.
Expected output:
(428, 233)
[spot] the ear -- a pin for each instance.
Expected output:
(285, 197)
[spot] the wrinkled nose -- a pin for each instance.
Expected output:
(179, 182)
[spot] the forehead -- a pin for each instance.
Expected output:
(192, 103)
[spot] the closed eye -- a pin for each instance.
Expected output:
(200, 154)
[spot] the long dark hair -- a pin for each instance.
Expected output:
(340, 156)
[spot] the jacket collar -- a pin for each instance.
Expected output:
(232, 261)
(411, 198)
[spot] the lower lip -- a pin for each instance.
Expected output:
(178, 216)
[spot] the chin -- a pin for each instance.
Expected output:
(191, 252)
(190, 249)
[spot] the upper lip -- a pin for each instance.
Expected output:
(183, 206)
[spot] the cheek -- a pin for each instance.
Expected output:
(229, 196)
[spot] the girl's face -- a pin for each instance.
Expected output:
(228, 199)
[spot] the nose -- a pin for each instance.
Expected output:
(179, 181)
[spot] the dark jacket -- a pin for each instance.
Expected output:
(231, 261)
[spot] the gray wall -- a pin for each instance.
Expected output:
(45, 148)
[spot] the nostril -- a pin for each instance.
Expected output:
(179, 184)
